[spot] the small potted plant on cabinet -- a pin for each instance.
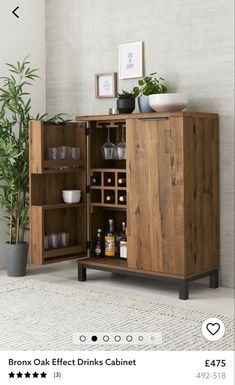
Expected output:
(147, 86)
(126, 102)
(15, 108)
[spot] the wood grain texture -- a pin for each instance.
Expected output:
(36, 235)
(155, 195)
(36, 155)
(201, 195)
(48, 213)
(151, 115)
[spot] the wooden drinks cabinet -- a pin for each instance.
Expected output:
(171, 188)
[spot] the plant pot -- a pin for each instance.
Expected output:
(16, 259)
(126, 106)
(143, 103)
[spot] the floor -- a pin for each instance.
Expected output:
(215, 301)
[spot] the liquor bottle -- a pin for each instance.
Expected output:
(123, 243)
(110, 240)
(98, 247)
(122, 199)
(121, 236)
(122, 182)
(110, 198)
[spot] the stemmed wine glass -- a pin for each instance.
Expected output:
(121, 147)
(115, 153)
(108, 148)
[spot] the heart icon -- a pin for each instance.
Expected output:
(213, 328)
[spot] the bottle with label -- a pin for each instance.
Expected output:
(123, 246)
(98, 247)
(122, 199)
(110, 198)
(121, 236)
(110, 240)
(122, 182)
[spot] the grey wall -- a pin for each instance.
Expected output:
(189, 43)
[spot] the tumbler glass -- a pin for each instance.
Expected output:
(64, 239)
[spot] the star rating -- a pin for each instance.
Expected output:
(27, 375)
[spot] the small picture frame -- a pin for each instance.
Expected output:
(106, 85)
(131, 64)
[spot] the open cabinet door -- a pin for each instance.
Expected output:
(155, 227)
(50, 216)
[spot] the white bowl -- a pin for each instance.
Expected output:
(71, 196)
(168, 102)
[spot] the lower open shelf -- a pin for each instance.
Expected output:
(63, 251)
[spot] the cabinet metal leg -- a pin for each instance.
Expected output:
(214, 279)
(184, 290)
(81, 273)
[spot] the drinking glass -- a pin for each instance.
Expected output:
(55, 241)
(64, 239)
(47, 242)
(53, 153)
(121, 147)
(115, 153)
(107, 148)
(64, 152)
(75, 151)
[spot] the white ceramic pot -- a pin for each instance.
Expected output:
(71, 196)
(168, 102)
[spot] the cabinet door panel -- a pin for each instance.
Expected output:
(155, 195)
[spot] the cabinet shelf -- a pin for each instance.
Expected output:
(108, 188)
(59, 206)
(114, 170)
(56, 166)
(63, 251)
(114, 206)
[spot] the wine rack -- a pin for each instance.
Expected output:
(108, 188)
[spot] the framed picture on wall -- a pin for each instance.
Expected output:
(131, 60)
(106, 85)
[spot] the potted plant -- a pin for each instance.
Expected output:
(126, 102)
(147, 86)
(15, 105)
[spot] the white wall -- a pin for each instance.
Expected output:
(189, 43)
(19, 38)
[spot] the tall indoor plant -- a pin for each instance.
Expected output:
(149, 85)
(15, 106)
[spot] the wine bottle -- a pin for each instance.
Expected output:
(122, 199)
(123, 243)
(110, 240)
(122, 182)
(95, 180)
(98, 248)
(121, 236)
(110, 198)
(110, 180)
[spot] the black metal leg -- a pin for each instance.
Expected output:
(184, 290)
(214, 279)
(81, 273)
